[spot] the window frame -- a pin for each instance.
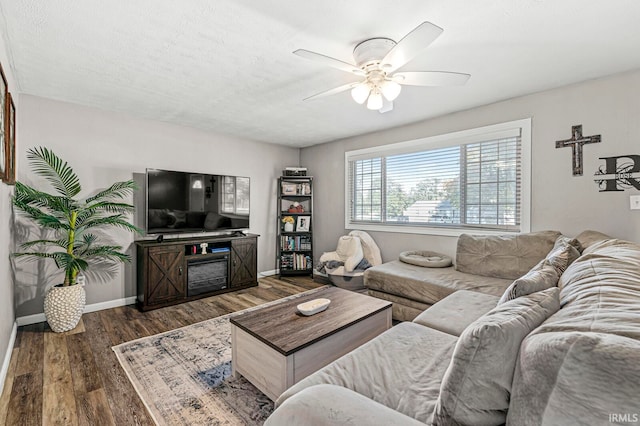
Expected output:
(236, 198)
(442, 141)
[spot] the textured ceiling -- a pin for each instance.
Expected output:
(227, 65)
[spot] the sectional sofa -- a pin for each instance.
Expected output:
(559, 345)
(484, 265)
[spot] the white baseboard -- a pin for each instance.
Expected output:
(267, 273)
(110, 304)
(36, 318)
(7, 357)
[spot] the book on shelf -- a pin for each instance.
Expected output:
(295, 262)
(293, 243)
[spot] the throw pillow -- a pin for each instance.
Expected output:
(476, 386)
(563, 254)
(537, 279)
(370, 249)
(350, 251)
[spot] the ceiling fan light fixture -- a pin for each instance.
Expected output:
(360, 92)
(376, 61)
(390, 89)
(375, 100)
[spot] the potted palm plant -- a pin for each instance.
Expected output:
(69, 226)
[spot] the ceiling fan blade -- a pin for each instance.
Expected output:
(410, 46)
(332, 62)
(386, 106)
(431, 78)
(330, 92)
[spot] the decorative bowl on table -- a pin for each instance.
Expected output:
(313, 306)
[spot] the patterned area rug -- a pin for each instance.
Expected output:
(183, 376)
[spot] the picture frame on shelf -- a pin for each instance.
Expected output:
(289, 188)
(10, 143)
(303, 224)
(4, 93)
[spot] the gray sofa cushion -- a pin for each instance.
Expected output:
(428, 285)
(454, 313)
(541, 277)
(476, 387)
(600, 292)
(584, 361)
(547, 272)
(402, 369)
(403, 309)
(504, 256)
(575, 378)
(335, 405)
(588, 237)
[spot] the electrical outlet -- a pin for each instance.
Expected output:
(635, 202)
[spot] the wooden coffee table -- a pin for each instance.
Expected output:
(275, 346)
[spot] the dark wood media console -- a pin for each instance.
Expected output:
(176, 271)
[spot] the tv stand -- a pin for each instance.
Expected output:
(179, 270)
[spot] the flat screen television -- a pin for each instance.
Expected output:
(183, 202)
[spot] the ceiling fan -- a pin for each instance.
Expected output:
(377, 60)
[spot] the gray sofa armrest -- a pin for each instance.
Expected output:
(335, 405)
(455, 312)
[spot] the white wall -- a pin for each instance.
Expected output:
(7, 311)
(609, 106)
(104, 147)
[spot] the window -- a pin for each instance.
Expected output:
(471, 181)
(235, 195)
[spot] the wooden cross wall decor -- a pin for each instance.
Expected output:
(576, 142)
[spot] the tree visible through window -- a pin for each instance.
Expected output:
(474, 184)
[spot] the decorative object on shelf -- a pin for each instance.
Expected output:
(203, 248)
(294, 171)
(576, 142)
(619, 173)
(74, 222)
(4, 94)
(313, 307)
(289, 188)
(288, 223)
(296, 207)
(304, 223)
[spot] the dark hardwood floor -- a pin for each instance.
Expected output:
(74, 378)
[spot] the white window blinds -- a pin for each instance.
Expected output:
(465, 181)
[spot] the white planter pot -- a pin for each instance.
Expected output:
(63, 306)
(288, 227)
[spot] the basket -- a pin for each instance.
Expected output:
(294, 173)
